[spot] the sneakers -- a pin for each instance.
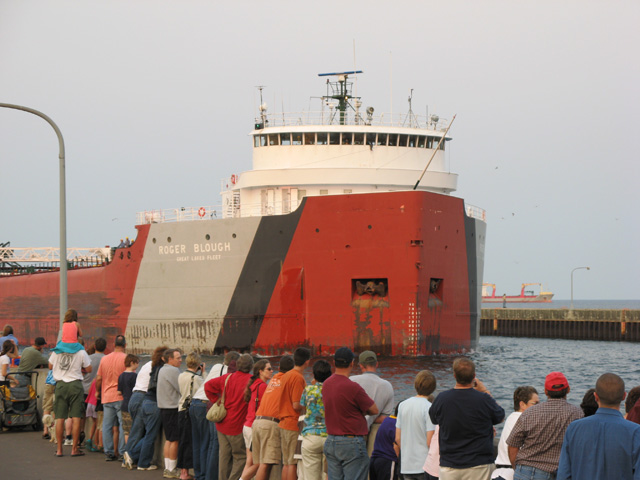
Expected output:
(128, 461)
(150, 467)
(68, 441)
(110, 458)
(175, 473)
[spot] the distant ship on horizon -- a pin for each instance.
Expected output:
(526, 296)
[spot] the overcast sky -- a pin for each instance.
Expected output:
(155, 100)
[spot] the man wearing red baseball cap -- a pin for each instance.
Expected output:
(536, 439)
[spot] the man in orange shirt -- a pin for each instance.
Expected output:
(265, 437)
(292, 385)
(110, 368)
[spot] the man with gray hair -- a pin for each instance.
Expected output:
(604, 445)
(378, 389)
(233, 452)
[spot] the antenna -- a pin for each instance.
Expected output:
(340, 91)
(391, 84)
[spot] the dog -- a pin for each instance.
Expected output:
(50, 424)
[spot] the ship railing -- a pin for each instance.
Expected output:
(476, 212)
(332, 117)
(181, 214)
(77, 255)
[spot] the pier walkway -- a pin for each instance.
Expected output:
(25, 454)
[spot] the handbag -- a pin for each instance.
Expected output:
(217, 412)
(187, 401)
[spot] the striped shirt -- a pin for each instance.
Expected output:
(539, 433)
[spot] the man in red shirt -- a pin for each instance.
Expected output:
(293, 384)
(345, 405)
(265, 438)
(233, 453)
(109, 370)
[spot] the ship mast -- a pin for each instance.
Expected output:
(340, 91)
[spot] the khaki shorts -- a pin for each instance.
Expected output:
(288, 440)
(69, 401)
(265, 442)
(126, 422)
(246, 434)
(47, 400)
(99, 420)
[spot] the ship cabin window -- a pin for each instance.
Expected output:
(371, 139)
(422, 140)
(309, 138)
(296, 138)
(334, 138)
(301, 194)
(358, 138)
(322, 138)
(382, 139)
(393, 140)
(285, 139)
(402, 140)
(347, 190)
(324, 192)
(412, 141)
(273, 139)
(256, 141)
(347, 138)
(442, 145)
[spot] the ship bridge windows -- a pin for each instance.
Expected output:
(348, 138)
(309, 138)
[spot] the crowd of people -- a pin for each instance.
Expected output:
(242, 420)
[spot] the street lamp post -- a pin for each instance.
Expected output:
(63, 208)
(577, 268)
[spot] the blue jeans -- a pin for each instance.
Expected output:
(347, 458)
(137, 427)
(142, 452)
(112, 414)
(213, 457)
(524, 472)
(199, 437)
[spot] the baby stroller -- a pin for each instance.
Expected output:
(19, 403)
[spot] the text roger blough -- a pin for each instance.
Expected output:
(197, 248)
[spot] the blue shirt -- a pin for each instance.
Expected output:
(603, 446)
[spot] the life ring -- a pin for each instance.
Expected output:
(234, 179)
(202, 212)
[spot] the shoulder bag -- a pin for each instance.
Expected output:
(217, 412)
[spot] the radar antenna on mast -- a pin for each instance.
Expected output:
(341, 91)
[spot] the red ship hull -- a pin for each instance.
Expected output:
(398, 273)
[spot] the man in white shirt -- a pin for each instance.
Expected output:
(68, 370)
(523, 398)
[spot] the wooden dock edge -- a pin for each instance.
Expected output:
(608, 325)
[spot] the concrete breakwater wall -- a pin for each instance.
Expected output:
(612, 325)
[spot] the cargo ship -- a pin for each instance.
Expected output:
(526, 296)
(330, 240)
